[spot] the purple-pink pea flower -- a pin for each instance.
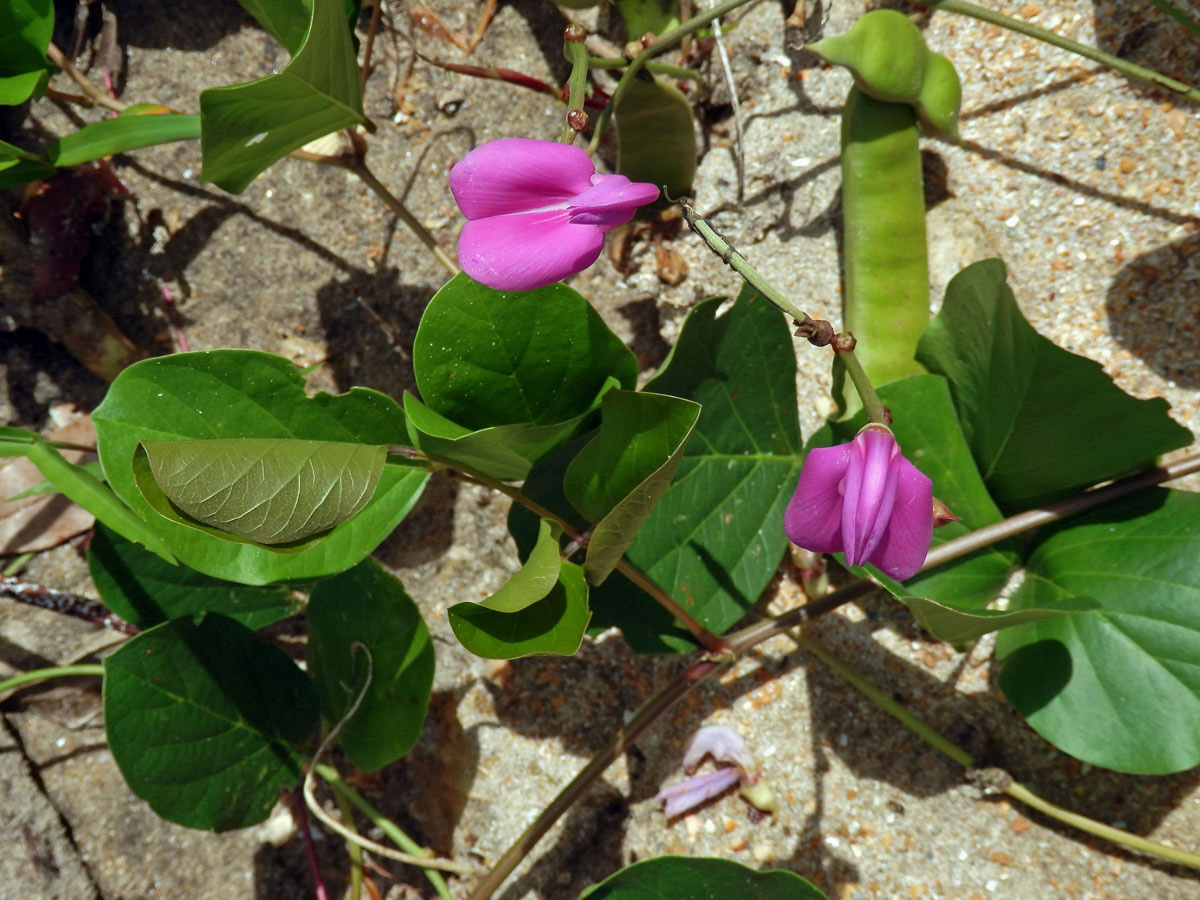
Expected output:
(537, 211)
(866, 500)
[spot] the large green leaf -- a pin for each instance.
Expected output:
(78, 484)
(699, 878)
(1041, 422)
(503, 452)
(620, 475)
(929, 435)
(484, 357)
(1118, 686)
(368, 606)
(715, 539)
(247, 127)
(246, 394)
(143, 589)
(126, 132)
(270, 490)
(656, 137)
(553, 624)
(202, 719)
(26, 27)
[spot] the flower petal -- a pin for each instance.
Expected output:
(528, 250)
(905, 544)
(517, 175)
(813, 519)
(612, 200)
(723, 744)
(687, 795)
(869, 492)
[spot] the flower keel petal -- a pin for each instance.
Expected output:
(905, 544)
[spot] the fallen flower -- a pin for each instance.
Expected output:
(537, 211)
(866, 500)
(724, 745)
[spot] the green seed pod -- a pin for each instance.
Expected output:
(887, 270)
(886, 54)
(941, 96)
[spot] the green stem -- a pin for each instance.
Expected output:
(359, 168)
(619, 62)
(732, 258)
(576, 52)
(353, 850)
(1016, 790)
(51, 672)
(664, 42)
(1178, 15)
(390, 829)
(866, 392)
(1132, 70)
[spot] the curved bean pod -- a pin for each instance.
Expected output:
(887, 271)
(886, 54)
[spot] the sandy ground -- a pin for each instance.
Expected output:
(1081, 180)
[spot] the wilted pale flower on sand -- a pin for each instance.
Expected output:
(724, 745)
(866, 500)
(537, 211)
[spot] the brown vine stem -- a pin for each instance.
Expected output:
(616, 745)
(359, 168)
(95, 94)
(709, 641)
(743, 640)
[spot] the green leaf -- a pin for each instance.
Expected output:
(270, 490)
(285, 20)
(656, 137)
(553, 624)
(26, 27)
(246, 394)
(716, 538)
(930, 437)
(1041, 422)
(109, 136)
(247, 127)
(1118, 686)
(959, 626)
(202, 718)
(19, 166)
(366, 605)
(698, 878)
(79, 485)
(533, 581)
(484, 357)
(620, 475)
(503, 452)
(142, 589)
(640, 16)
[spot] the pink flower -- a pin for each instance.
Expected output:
(537, 211)
(866, 500)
